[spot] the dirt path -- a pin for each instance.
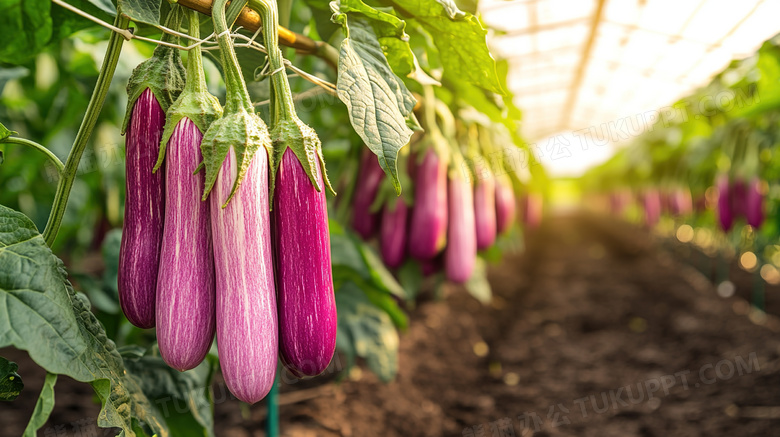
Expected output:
(593, 332)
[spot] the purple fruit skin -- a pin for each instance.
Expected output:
(139, 254)
(725, 213)
(652, 204)
(392, 237)
(754, 204)
(739, 198)
(247, 335)
(428, 227)
(364, 222)
(307, 305)
(461, 252)
(186, 318)
(485, 212)
(505, 206)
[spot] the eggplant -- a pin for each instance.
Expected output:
(461, 251)
(754, 204)
(428, 226)
(485, 211)
(652, 205)
(725, 207)
(505, 205)
(392, 237)
(370, 175)
(532, 212)
(142, 231)
(247, 335)
(738, 197)
(307, 305)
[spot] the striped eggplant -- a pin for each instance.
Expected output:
(754, 204)
(392, 237)
(725, 211)
(505, 205)
(651, 201)
(428, 226)
(236, 159)
(247, 336)
(461, 251)
(142, 231)
(307, 305)
(186, 318)
(185, 285)
(370, 175)
(485, 211)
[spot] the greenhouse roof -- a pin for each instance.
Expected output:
(581, 63)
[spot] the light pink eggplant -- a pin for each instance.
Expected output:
(142, 231)
(725, 207)
(485, 212)
(652, 205)
(370, 176)
(754, 204)
(428, 226)
(533, 209)
(681, 202)
(461, 251)
(185, 283)
(392, 237)
(307, 305)
(247, 335)
(505, 206)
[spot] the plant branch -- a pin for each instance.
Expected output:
(32, 144)
(85, 130)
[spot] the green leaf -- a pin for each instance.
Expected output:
(460, 38)
(66, 22)
(141, 11)
(367, 332)
(478, 285)
(170, 389)
(11, 384)
(43, 315)
(43, 407)
(25, 29)
(7, 74)
(5, 133)
(411, 277)
(377, 100)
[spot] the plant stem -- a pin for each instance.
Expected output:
(85, 130)
(32, 144)
(196, 80)
(237, 95)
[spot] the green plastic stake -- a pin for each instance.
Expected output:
(272, 419)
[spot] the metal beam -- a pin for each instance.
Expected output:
(571, 100)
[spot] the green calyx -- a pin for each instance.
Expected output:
(239, 128)
(195, 102)
(163, 73)
(287, 131)
(242, 131)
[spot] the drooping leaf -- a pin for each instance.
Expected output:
(377, 100)
(43, 407)
(47, 318)
(367, 332)
(11, 384)
(25, 29)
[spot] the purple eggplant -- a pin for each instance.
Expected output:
(370, 176)
(247, 336)
(185, 284)
(428, 227)
(725, 207)
(652, 203)
(392, 237)
(754, 204)
(307, 305)
(139, 254)
(505, 205)
(739, 192)
(485, 211)
(461, 252)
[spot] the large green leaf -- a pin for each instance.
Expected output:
(25, 28)
(460, 38)
(141, 11)
(377, 100)
(66, 22)
(43, 315)
(367, 332)
(11, 384)
(43, 406)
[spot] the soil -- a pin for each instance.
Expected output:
(596, 330)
